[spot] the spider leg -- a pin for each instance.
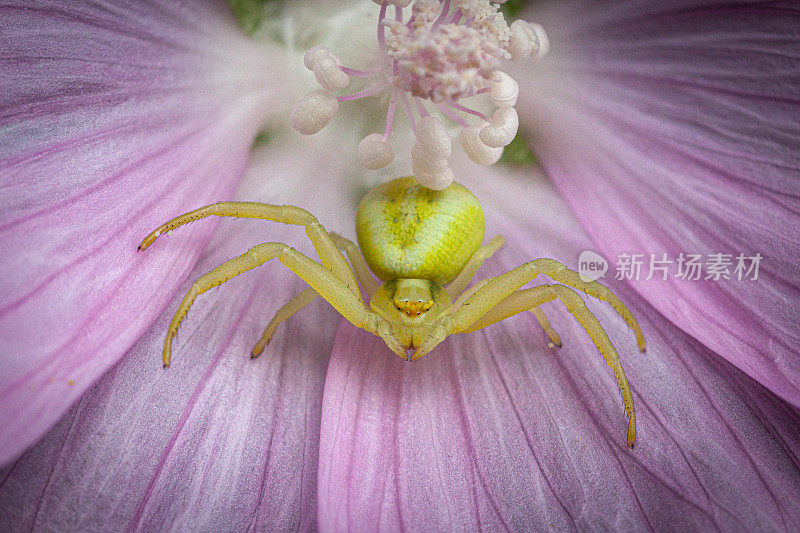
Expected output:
(328, 253)
(463, 278)
(545, 323)
(538, 313)
(526, 299)
(562, 274)
(497, 289)
(321, 280)
(289, 308)
(360, 267)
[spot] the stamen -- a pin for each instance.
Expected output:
(451, 114)
(390, 115)
(476, 150)
(439, 56)
(430, 153)
(356, 73)
(421, 108)
(409, 113)
(313, 112)
(374, 152)
(369, 91)
(504, 90)
(502, 128)
(468, 110)
(382, 27)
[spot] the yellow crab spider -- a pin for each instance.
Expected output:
(425, 246)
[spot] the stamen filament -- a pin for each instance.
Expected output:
(409, 113)
(468, 110)
(450, 113)
(442, 51)
(390, 115)
(381, 27)
(369, 91)
(421, 108)
(356, 73)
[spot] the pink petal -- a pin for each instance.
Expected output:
(218, 441)
(493, 430)
(674, 127)
(114, 118)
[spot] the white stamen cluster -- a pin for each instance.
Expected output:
(445, 52)
(444, 62)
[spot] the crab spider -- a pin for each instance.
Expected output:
(425, 246)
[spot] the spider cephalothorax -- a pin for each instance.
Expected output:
(425, 246)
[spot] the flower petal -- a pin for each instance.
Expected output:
(217, 441)
(674, 128)
(493, 430)
(114, 117)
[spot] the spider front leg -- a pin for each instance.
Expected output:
(321, 280)
(497, 289)
(326, 249)
(527, 299)
(475, 313)
(562, 274)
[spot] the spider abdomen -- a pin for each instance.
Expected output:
(409, 231)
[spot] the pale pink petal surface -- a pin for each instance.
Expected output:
(113, 117)
(674, 127)
(494, 430)
(217, 441)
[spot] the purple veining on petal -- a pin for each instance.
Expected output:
(217, 441)
(674, 128)
(114, 118)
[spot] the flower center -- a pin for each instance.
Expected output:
(443, 53)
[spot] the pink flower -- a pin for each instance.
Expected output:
(670, 128)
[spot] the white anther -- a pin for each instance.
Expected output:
(504, 90)
(313, 112)
(432, 139)
(374, 152)
(401, 3)
(527, 38)
(325, 66)
(431, 172)
(475, 149)
(313, 56)
(435, 180)
(541, 37)
(502, 129)
(329, 75)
